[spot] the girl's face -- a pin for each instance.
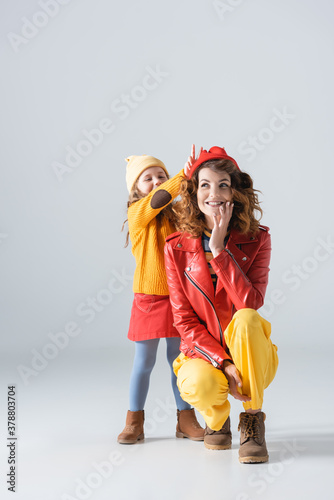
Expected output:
(151, 178)
(214, 189)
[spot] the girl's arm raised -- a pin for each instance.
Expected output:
(143, 211)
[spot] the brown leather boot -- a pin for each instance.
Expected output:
(218, 440)
(134, 428)
(253, 447)
(187, 425)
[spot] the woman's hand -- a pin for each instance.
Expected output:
(234, 381)
(191, 160)
(220, 227)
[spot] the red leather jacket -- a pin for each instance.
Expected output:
(201, 313)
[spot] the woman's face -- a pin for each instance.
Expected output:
(151, 178)
(214, 189)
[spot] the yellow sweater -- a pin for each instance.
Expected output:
(147, 235)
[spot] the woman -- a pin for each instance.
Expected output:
(217, 272)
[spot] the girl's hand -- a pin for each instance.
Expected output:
(234, 381)
(191, 160)
(221, 221)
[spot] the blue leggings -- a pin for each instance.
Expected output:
(144, 361)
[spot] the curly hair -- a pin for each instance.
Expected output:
(136, 195)
(190, 219)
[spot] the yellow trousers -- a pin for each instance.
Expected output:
(254, 355)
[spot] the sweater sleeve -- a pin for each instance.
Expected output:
(143, 211)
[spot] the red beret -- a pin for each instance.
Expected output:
(215, 153)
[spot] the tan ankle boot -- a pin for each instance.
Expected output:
(253, 447)
(187, 425)
(134, 428)
(218, 440)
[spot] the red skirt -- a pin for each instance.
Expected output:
(151, 318)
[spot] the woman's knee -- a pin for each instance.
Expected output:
(248, 323)
(247, 316)
(204, 387)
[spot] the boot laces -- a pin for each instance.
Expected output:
(251, 425)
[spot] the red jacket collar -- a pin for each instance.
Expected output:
(186, 243)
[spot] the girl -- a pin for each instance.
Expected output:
(217, 272)
(150, 222)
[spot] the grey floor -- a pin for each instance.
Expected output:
(69, 416)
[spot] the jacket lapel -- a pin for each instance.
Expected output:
(196, 267)
(235, 240)
(240, 257)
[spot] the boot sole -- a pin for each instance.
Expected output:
(182, 435)
(131, 441)
(253, 460)
(217, 446)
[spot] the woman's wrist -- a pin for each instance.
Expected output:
(226, 363)
(216, 251)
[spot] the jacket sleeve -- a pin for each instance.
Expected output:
(192, 331)
(245, 290)
(143, 211)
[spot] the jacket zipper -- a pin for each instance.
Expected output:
(215, 364)
(210, 302)
(231, 254)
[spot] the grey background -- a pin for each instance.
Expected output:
(224, 78)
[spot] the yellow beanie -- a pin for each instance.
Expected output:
(137, 164)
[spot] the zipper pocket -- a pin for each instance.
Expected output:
(212, 361)
(210, 302)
